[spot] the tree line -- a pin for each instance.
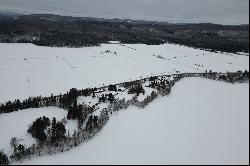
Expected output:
(66, 100)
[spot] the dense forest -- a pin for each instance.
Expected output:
(62, 31)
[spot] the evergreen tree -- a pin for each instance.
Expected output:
(111, 98)
(58, 131)
(19, 152)
(37, 129)
(3, 159)
(112, 88)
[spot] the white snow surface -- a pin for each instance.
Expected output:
(148, 92)
(200, 122)
(87, 100)
(28, 70)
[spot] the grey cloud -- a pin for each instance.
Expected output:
(215, 11)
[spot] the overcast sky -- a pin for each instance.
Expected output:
(181, 11)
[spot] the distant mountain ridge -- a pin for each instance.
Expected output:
(68, 31)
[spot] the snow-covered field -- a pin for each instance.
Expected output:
(28, 70)
(200, 122)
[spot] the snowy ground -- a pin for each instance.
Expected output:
(16, 125)
(200, 122)
(28, 70)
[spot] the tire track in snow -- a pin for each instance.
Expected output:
(139, 60)
(73, 68)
